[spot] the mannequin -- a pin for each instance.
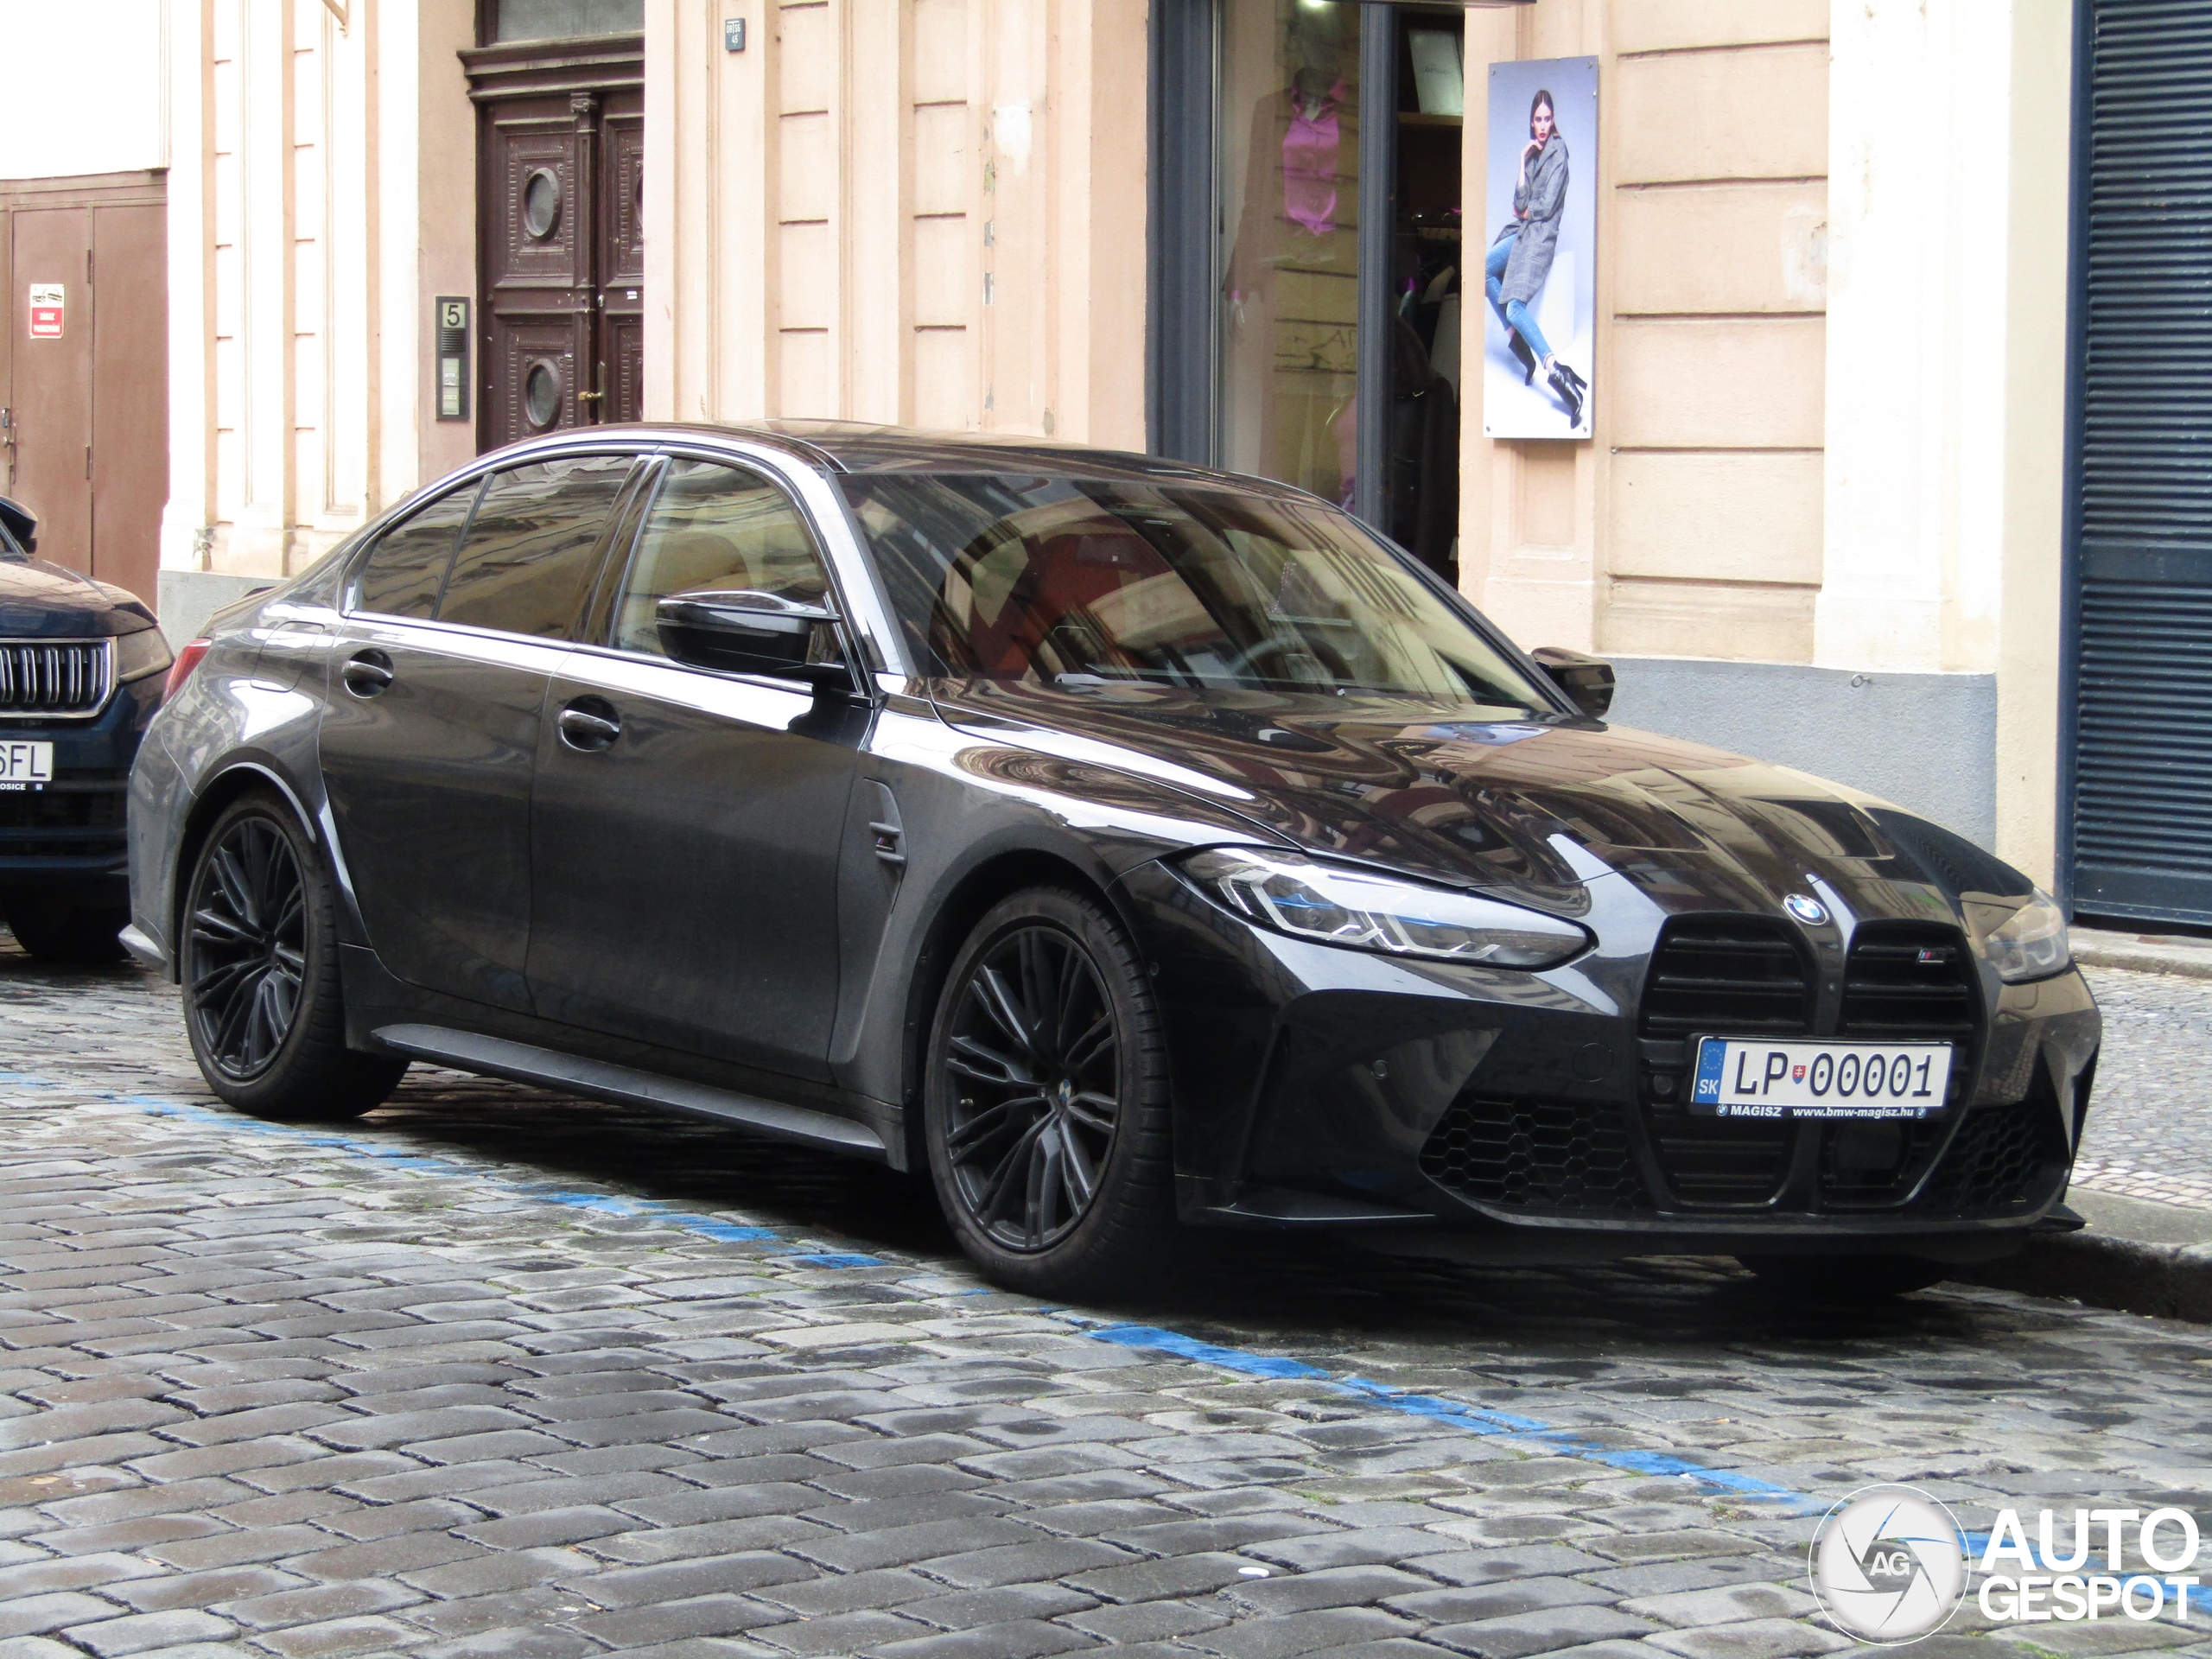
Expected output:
(1292, 291)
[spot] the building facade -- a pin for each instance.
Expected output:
(1822, 306)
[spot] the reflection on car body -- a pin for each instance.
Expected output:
(1122, 843)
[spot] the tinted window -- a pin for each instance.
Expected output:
(1073, 583)
(529, 552)
(712, 528)
(407, 564)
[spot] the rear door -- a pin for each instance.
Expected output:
(430, 728)
(685, 847)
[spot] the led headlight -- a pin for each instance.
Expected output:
(137, 655)
(1332, 905)
(2031, 944)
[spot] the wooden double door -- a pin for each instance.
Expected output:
(560, 155)
(84, 369)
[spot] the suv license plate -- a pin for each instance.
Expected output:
(1738, 1077)
(25, 766)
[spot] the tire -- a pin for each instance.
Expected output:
(259, 947)
(1845, 1278)
(1047, 1071)
(69, 928)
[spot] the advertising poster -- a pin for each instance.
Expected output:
(1541, 234)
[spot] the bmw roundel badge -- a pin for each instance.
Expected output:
(1810, 911)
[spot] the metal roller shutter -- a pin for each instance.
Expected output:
(2142, 714)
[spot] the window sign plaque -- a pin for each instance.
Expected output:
(47, 300)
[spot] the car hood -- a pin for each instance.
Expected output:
(39, 601)
(1533, 808)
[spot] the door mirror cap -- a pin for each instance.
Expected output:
(1588, 680)
(746, 631)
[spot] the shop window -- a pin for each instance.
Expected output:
(561, 20)
(1306, 290)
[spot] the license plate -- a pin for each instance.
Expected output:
(1738, 1077)
(25, 766)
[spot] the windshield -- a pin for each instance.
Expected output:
(1069, 583)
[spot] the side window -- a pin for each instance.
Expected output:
(714, 527)
(407, 566)
(523, 566)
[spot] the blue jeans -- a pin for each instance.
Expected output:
(1513, 315)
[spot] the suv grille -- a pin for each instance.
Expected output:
(1536, 1154)
(1727, 974)
(61, 678)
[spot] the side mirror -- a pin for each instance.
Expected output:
(1588, 680)
(746, 631)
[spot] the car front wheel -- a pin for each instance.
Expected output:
(1046, 1107)
(262, 1002)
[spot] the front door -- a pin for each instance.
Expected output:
(429, 731)
(560, 190)
(84, 412)
(685, 830)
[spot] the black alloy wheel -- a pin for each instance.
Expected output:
(1035, 1057)
(262, 1004)
(1046, 1111)
(246, 947)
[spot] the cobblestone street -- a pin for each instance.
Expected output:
(494, 1372)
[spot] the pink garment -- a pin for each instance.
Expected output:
(1309, 165)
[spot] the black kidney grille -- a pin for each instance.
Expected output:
(63, 677)
(1867, 1164)
(1721, 1160)
(1721, 975)
(1564, 1155)
(1907, 980)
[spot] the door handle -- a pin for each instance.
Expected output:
(367, 673)
(586, 731)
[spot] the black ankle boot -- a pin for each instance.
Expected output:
(1522, 355)
(1580, 385)
(1562, 383)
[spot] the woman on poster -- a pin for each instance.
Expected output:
(1521, 258)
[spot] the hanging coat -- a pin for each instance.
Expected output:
(1542, 198)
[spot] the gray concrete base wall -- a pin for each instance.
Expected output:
(1926, 741)
(186, 599)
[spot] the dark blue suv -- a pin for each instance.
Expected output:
(81, 673)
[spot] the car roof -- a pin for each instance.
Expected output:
(854, 447)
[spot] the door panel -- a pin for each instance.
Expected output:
(53, 392)
(429, 784)
(561, 244)
(131, 416)
(685, 889)
(622, 254)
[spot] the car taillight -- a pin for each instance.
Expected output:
(187, 660)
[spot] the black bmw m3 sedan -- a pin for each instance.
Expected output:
(1125, 844)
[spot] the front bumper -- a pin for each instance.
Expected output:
(72, 829)
(1324, 1087)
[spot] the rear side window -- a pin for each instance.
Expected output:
(531, 548)
(408, 565)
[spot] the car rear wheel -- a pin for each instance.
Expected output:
(1046, 1107)
(262, 1002)
(62, 926)
(1845, 1278)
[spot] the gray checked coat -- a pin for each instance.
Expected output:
(1541, 198)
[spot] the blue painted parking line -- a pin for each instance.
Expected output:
(1475, 1419)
